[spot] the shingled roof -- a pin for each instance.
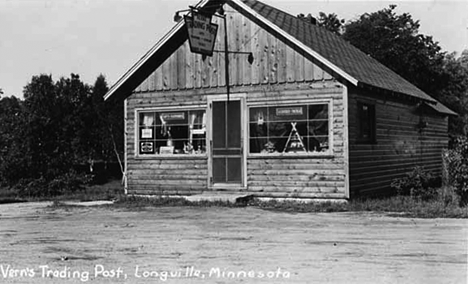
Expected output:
(330, 51)
(362, 67)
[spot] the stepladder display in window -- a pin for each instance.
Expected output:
(289, 129)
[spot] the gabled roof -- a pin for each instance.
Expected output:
(329, 51)
(336, 50)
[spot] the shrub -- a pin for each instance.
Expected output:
(456, 163)
(69, 182)
(418, 183)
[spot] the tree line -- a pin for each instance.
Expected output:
(54, 139)
(394, 40)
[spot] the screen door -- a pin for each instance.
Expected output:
(227, 150)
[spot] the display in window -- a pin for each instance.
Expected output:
(147, 133)
(180, 132)
(294, 143)
(148, 119)
(147, 147)
(166, 150)
(289, 129)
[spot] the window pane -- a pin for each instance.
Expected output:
(258, 115)
(289, 129)
(366, 126)
(219, 124)
(147, 119)
(172, 132)
(318, 112)
(234, 124)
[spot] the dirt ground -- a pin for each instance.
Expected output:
(225, 245)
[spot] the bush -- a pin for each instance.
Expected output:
(418, 183)
(41, 187)
(456, 163)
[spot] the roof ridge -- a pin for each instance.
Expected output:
(339, 52)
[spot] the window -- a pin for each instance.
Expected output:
(172, 132)
(366, 123)
(289, 129)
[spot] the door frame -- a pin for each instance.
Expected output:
(244, 140)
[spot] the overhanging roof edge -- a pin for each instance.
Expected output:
(148, 55)
(301, 45)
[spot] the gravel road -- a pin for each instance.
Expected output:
(40, 244)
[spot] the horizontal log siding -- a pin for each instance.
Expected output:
(274, 61)
(301, 177)
(278, 74)
(163, 176)
(400, 145)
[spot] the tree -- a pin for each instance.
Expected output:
(11, 119)
(60, 127)
(111, 119)
(330, 22)
(463, 59)
(394, 41)
(455, 93)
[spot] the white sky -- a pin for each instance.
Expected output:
(90, 37)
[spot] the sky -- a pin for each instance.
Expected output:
(92, 37)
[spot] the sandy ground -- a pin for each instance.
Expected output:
(225, 245)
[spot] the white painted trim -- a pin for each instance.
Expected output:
(304, 47)
(150, 53)
(311, 101)
(346, 140)
(125, 177)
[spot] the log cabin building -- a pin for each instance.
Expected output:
(306, 114)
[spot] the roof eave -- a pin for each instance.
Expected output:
(335, 69)
(151, 60)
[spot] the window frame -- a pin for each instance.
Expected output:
(137, 140)
(372, 121)
(285, 103)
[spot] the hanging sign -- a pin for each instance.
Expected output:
(201, 33)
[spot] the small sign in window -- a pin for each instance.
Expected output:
(147, 147)
(147, 133)
(286, 111)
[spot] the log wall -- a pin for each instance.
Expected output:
(302, 176)
(401, 144)
(278, 74)
(267, 176)
(274, 61)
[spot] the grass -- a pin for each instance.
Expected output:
(140, 202)
(403, 206)
(108, 191)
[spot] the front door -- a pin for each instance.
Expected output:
(227, 149)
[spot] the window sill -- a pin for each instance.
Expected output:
(172, 157)
(326, 155)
